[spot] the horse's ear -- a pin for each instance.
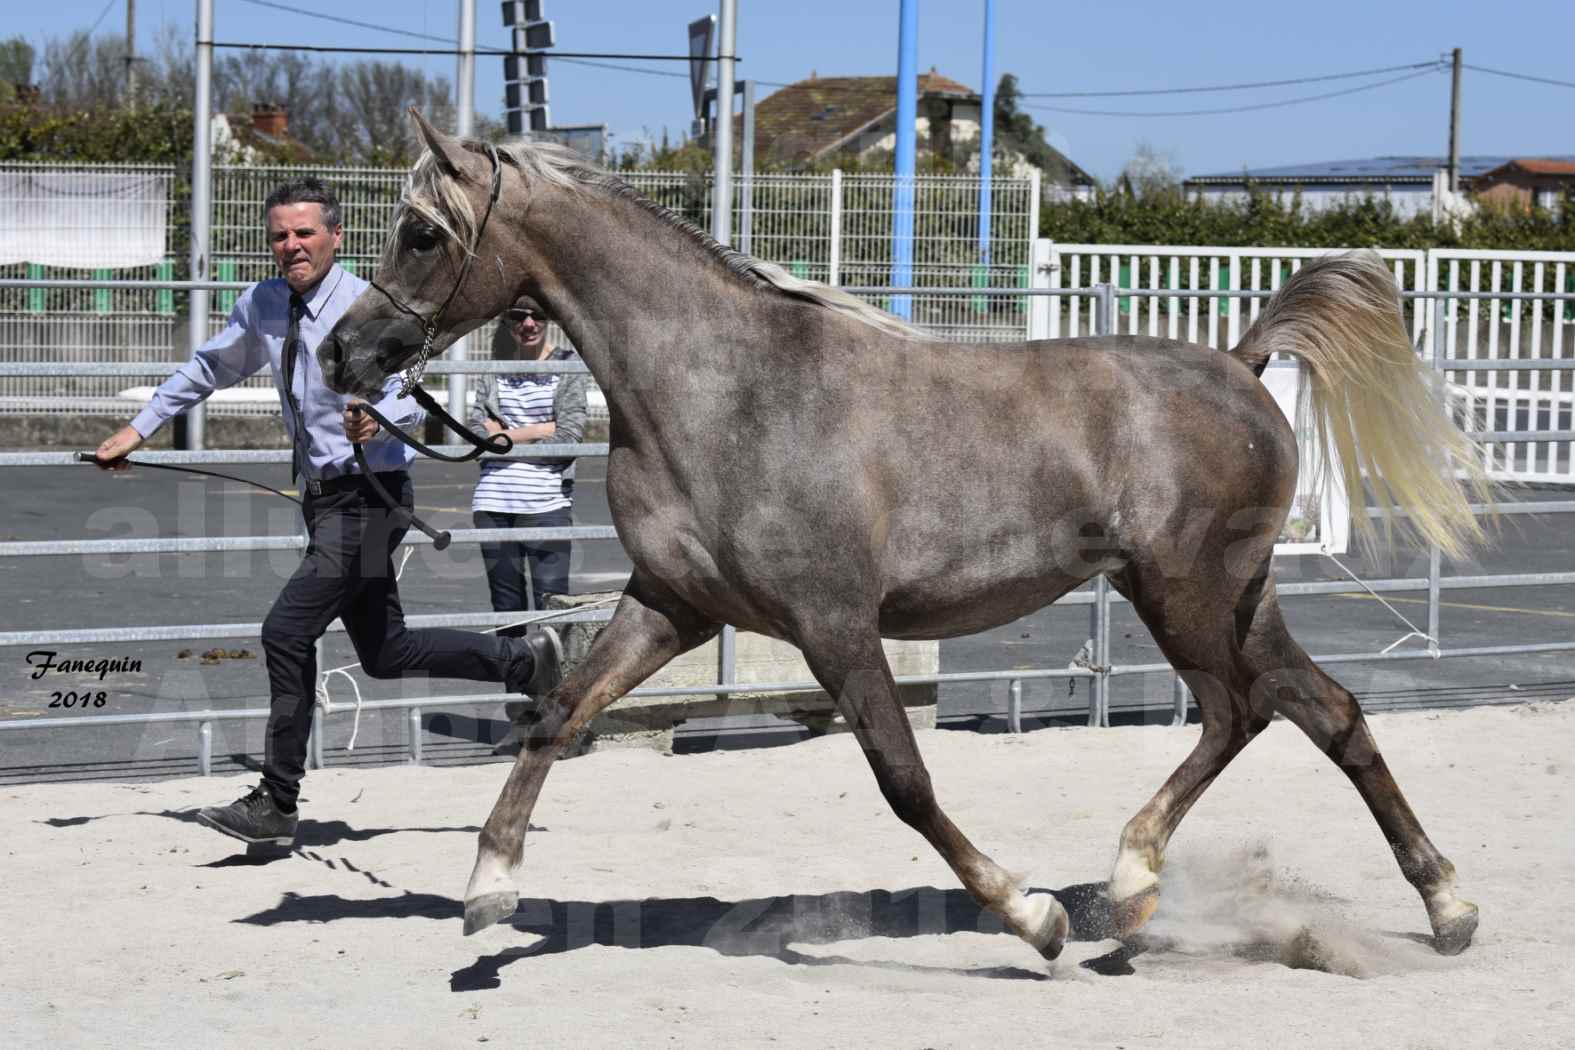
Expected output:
(445, 148)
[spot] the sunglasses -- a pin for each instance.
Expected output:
(516, 316)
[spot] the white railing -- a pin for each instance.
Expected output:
(1510, 330)
(1216, 322)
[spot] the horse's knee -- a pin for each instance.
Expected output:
(907, 791)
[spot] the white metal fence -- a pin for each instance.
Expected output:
(38, 324)
(834, 228)
(828, 227)
(1516, 332)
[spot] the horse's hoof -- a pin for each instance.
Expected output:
(1130, 915)
(1048, 925)
(488, 909)
(1453, 935)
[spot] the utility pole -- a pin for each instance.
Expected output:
(201, 204)
(987, 133)
(1454, 126)
(464, 125)
(131, 54)
(905, 155)
(722, 141)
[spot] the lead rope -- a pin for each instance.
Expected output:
(1416, 632)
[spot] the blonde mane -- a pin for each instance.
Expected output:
(433, 197)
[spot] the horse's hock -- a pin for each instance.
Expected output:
(648, 721)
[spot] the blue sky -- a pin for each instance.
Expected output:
(1052, 47)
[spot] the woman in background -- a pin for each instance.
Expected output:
(527, 493)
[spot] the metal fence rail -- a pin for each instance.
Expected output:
(1102, 303)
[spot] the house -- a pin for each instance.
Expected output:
(1407, 183)
(263, 137)
(1528, 182)
(823, 119)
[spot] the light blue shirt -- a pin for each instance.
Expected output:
(254, 337)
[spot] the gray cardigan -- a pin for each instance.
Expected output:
(568, 406)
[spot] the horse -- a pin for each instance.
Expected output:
(788, 459)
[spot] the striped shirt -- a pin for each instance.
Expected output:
(523, 486)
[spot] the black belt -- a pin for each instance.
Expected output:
(348, 482)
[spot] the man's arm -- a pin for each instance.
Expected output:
(226, 359)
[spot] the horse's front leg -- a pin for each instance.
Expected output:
(646, 631)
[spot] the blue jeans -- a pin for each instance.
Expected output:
(507, 561)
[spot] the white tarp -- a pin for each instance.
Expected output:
(100, 220)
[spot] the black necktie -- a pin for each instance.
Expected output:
(293, 349)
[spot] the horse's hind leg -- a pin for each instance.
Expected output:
(1193, 623)
(645, 632)
(848, 662)
(1289, 683)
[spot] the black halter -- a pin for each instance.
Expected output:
(411, 377)
(410, 381)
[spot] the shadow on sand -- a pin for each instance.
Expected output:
(765, 926)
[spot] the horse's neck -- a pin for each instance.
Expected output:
(650, 309)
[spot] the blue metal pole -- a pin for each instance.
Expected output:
(907, 119)
(986, 132)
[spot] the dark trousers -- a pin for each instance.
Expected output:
(348, 572)
(548, 561)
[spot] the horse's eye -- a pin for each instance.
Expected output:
(420, 238)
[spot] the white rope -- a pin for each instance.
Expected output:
(325, 700)
(1415, 632)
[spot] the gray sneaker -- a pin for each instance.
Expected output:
(253, 818)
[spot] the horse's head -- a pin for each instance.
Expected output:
(431, 273)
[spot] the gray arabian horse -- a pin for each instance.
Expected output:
(789, 460)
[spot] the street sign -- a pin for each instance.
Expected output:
(702, 31)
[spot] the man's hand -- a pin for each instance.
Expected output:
(111, 455)
(493, 426)
(360, 427)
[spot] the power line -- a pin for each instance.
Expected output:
(1521, 76)
(327, 49)
(1229, 87)
(482, 50)
(346, 21)
(1234, 109)
(89, 35)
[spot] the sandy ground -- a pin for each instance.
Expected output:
(769, 897)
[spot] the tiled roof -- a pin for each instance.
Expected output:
(805, 119)
(1539, 166)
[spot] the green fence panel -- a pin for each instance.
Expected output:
(226, 272)
(165, 301)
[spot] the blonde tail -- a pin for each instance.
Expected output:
(1374, 403)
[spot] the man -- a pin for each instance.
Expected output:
(347, 571)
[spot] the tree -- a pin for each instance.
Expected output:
(1018, 133)
(16, 67)
(1151, 174)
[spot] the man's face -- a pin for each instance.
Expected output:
(303, 247)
